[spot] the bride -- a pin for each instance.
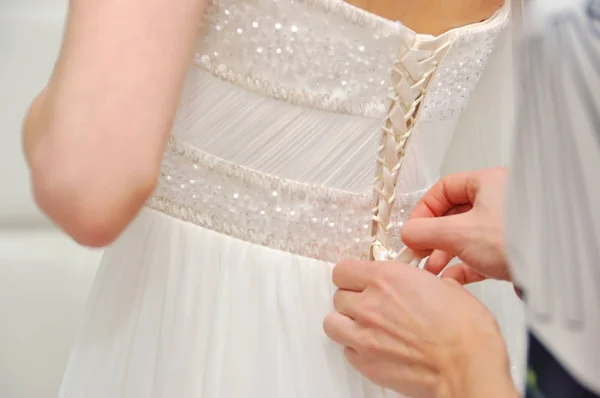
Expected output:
(227, 152)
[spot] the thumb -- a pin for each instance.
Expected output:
(446, 233)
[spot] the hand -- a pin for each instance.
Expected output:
(462, 216)
(419, 335)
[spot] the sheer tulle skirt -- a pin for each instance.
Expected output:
(181, 311)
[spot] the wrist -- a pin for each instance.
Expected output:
(477, 366)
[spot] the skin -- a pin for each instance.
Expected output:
(462, 215)
(95, 136)
(418, 334)
(432, 16)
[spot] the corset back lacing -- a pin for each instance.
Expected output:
(410, 75)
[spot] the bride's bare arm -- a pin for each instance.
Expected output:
(95, 135)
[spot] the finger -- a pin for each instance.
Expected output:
(423, 253)
(437, 261)
(408, 256)
(447, 233)
(354, 275)
(341, 329)
(353, 358)
(448, 192)
(458, 209)
(463, 274)
(346, 302)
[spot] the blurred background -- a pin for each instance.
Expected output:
(44, 277)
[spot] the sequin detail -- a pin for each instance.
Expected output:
(284, 49)
(460, 71)
(303, 219)
(316, 100)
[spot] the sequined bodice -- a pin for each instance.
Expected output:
(328, 54)
(309, 65)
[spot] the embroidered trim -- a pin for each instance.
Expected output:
(304, 219)
(306, 98)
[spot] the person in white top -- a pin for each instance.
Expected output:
(230, 153)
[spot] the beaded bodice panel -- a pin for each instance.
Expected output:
(323, 54)
(330, 57)
(304, 219)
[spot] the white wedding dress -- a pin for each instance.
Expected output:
(218, 289)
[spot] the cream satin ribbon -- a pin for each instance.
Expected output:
(408, 256)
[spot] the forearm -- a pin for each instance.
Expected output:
(95, 136)
(91, 173)
(86, 193)
(487, 381)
